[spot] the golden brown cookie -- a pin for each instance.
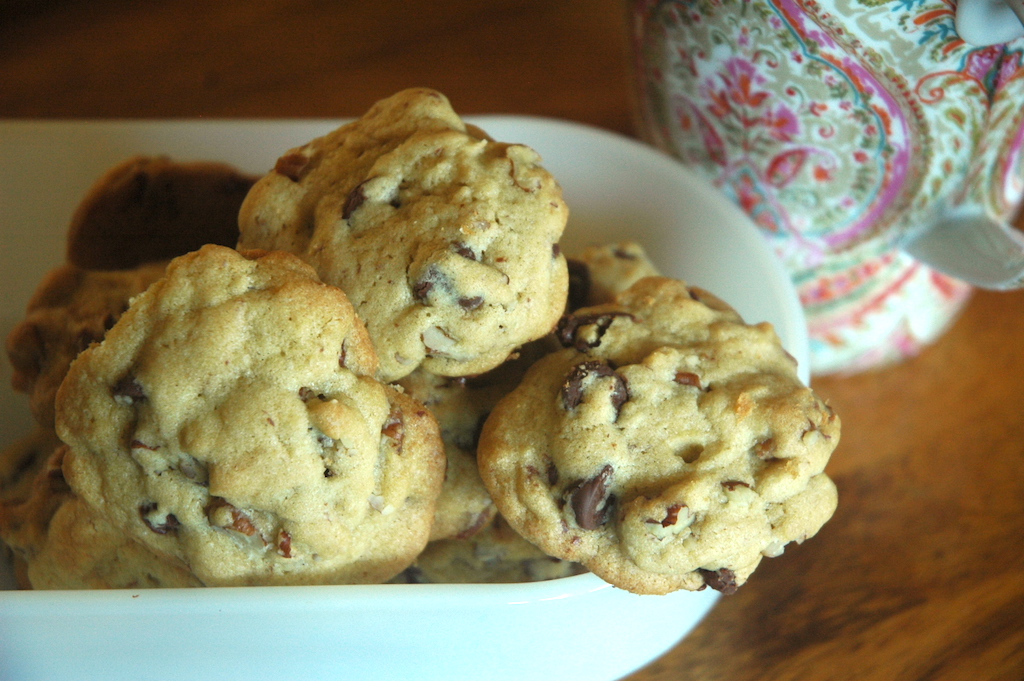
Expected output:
(231, 421)
(668, 446)
(444, 240)
(70, 309)
(599, 273)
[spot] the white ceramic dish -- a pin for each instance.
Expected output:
(574, 628)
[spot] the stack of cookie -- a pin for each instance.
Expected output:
(380, 366)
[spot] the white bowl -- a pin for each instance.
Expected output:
(573, 628)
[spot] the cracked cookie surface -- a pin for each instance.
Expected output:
(230, 422)
(668, 446)
(444, 240)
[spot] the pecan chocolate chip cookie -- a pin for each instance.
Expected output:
(71, 308)
(461, 405)
(668, 446)
(230, 422)
(599, 273)
(32, 488)
(82, 550)
(444, 240)
(150, 208)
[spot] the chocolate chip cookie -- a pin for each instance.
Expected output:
(599, 273)
(444, 240)
(82, 550)
(32, 488)
(230, 421)
(461, 405)
(70, 309)
(150, 208)
(668, 446)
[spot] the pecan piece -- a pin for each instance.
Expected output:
(223, 513)
(765, 449)
(292, 165)
(688, 378)
(394, 428)
(284, 544)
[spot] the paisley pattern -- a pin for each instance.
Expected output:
(840, 127)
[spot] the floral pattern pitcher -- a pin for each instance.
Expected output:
(842, 128)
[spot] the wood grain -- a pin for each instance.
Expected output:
(920, 575)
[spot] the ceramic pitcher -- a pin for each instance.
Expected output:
(876, 149)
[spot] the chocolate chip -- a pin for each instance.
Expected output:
(589, 500)
(579, 284)
(292, 165)
(556, 250)
(567, 330)
(470, 304)
(731, 485)
(572, 388)
(169, 525)
(306, 394)
(464, 250)
(355, 198)
(723, 580)
(552, 474)
(129, 390)
(624, 254)
(421, 289)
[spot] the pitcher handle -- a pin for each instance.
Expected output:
(971, 246)
(987, 22)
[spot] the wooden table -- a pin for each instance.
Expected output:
(920, 574)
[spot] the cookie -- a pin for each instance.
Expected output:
(82, 550)
(444, 240)
(496, 554)
(70, 309)
(27, 507)
(599, 273)
(668, 446)
(461, 405)
(21, 461)
(150, 208)
(230, 420)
